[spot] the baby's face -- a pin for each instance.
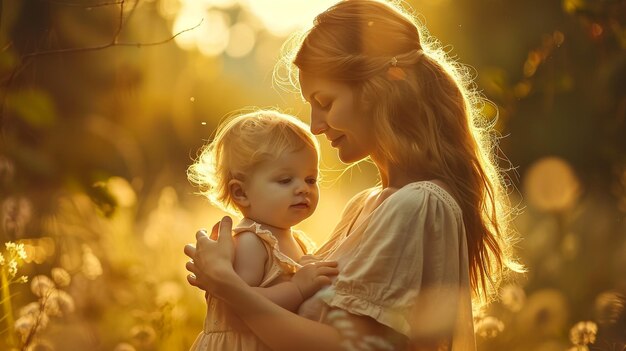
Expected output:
(284, 192)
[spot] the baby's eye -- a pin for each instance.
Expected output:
(284, 181)
(311, 180)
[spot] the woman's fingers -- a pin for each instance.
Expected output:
(225, 236)
(190, 250)
(190, 266)
(201, 233)
(191, 279)
(215, 231)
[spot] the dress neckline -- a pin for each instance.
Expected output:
(439, 191)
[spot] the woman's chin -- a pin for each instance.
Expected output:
(348, 158)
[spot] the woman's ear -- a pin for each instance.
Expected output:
(238, 193)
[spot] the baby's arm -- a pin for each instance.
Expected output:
(304, 283)
(249, 264)
(250, 258)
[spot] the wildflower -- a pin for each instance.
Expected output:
(24, 325)
(51, 305)
(32, 309)
(16, 250)
(12, 268)
(513, 297)
(41, 285)
(60, 276)
(583, 333)
(61, 303)
(609, 307)
(23, 279)
(13, 257)
(489, 327)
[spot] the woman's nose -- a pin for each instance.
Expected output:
(318, 123)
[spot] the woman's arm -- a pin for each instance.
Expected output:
(275, 326)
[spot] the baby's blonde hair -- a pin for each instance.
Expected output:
(425, 114)
(241, 144)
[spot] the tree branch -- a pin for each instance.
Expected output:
(108, 45)
(76, 4)
(26, 59)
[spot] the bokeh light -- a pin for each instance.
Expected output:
(242, 39)
(282, 17)
(551, 185)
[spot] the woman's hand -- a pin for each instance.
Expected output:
(212, 258)
(314, 276)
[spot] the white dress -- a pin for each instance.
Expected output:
(405, 265)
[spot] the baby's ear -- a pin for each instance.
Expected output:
(238, 193)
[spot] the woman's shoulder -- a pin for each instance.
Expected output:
(358, 200)
(423, 195)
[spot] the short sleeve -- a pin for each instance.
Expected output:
(407, 258)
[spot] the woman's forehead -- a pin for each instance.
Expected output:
(310, 84)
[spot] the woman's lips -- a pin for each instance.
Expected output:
(336, 141)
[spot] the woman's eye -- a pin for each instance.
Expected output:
(324, 105)
(284, 181)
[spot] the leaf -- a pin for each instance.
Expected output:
(35, 107)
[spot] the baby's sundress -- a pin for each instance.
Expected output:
(223, 330)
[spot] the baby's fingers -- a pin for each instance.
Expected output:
(322, 280)
(326, 264)
(327, 271)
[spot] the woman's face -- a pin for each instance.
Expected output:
(334, 113)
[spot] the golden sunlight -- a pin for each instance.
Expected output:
(282, 17)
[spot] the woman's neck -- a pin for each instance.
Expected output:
(396, 177)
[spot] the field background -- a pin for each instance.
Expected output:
(102, 111)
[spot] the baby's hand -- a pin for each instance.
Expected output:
(306, 259)
(314, 276)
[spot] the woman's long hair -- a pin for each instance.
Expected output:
(425, 113)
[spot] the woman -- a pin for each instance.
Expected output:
(415, 251)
